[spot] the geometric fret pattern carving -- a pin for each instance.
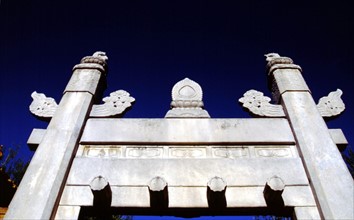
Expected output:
(258, 104)
(186, 152)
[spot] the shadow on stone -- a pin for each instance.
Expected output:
(273, 193)
(158, 193)
(216, 193)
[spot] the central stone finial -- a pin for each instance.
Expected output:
(187, 101)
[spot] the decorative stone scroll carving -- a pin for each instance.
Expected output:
(187, 101)
(42, 107)
(331, 105)
(258, 104)
(116, 104)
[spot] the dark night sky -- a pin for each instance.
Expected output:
(153, 44)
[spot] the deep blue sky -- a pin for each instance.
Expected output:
(153, 44)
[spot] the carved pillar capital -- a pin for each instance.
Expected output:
(89, 75)
(97, 61)
(283, 76)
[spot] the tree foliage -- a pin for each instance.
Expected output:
(349, 160)
(11, 164)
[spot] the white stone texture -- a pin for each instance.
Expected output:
(187, 172)
(180, 196)
(187, 101)
(42, 106)
(35, 138)
(217, 184)
(186, 151)
(67, 212)
(331, 105)
(289, 80)
(84, 80)
(338, 138)
(258, 104)
(116, 104)
(43, 179)
(307, 213)
(46, 175)
(187, 131)
(329, 176)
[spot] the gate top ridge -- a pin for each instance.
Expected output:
(240, 164)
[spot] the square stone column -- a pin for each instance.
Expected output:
(329, 177)
(39, 192)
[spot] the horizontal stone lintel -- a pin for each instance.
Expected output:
(187, 172)
(180, 197)
(185, 131)
(339, 139)
(35, 138)
(186, 151)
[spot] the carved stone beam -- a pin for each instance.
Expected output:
(216, 189)
(273, 192)
(35, 138)
(331, 105)
(338, 138)
(114, 105)
(258, 104)
(42, 107)
(158, 193)
(102, 193)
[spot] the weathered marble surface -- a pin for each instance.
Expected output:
(186, 151)
(187, 172)
(194, 159)
(35, 138)
(130, 196)
(42, 183)
(187, 131)
(330, 179)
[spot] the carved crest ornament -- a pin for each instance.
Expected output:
(187, 101)
(114, 105)
(100, 165)
(259, 105)
(187, 98)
